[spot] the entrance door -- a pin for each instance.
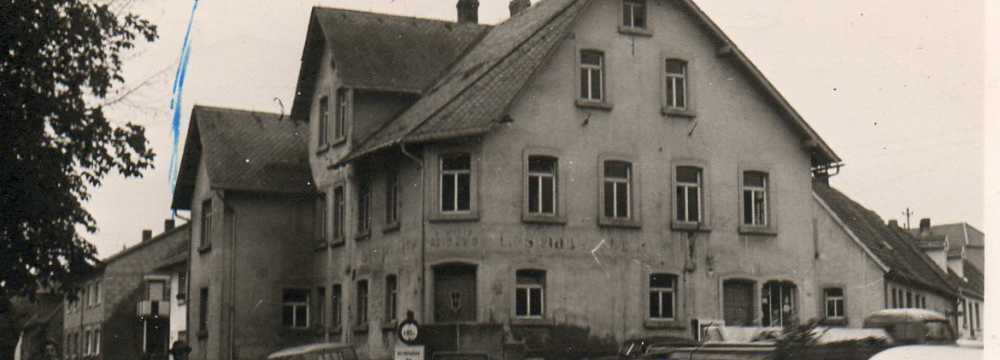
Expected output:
(737, 302)
(454, 293)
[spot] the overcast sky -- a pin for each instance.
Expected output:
(896, 88)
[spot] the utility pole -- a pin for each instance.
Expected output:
(908, 213)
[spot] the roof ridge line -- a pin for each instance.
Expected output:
(332, 8)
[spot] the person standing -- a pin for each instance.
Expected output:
(180, 350)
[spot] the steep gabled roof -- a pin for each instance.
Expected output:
(379, 52)
(245, 151)
(892, 246)
(476, 92)
(959, 235)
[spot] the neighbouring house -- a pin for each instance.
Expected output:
(865, 264)
(245, 178)
(958, 249)
(43, 323)
(125, 309)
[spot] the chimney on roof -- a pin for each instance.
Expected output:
(146, 235)
(168, 225)
(516, 6)
(468, 11)
(925, 227)
(893, 223)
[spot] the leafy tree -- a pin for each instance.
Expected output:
(59, 59)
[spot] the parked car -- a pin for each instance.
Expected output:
(913, 326)
(320, 351)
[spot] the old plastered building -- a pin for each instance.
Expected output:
(581, 173)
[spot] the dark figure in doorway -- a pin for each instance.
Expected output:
(180, 350)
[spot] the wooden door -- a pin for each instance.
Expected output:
(737, 302)
(455, 293)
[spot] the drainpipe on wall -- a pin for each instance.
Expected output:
(423, 231)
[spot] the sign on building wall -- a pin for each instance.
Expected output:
(409, 352)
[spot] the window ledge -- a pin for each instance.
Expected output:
(664, 324)
(619, 223)
(675, 112)
(689, 226)
(631, 30)
(363, 328)
(592, 104)
(391, 227)
(322, 149)
(389, 325)
(205, 248)
(532, 321)
(364, 235)
(466, 216)
(757, 230)
(543, 219)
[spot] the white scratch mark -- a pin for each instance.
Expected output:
(593, 252)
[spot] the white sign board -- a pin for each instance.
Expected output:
(409, 352)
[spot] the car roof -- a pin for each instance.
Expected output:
(306, 349)
(897, 315)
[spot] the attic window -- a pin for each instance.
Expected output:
(634, 14)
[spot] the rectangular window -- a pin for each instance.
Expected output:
(182, 286)
(676, 84)
(320, 306)
(834, 300)
(529, 294)
(295, 308)
(617, 184)
(339, 211)
(206, 223)
(361, 317)
(778, 304)
(203, 310)
(87, 342)
(895, 299)
(364, 208)
(975, 307)
(754, 198)
(592, 75)
(339, 128)
(391, 297)
(392, 196)
(97, 292)
(321, 217)
(968, 313)
(335, 299)
(322, 133)
(456, 183)
(634, 13)
(909, 299)
(97, 341)
(542, 193)
(688, 193)
(662, 296)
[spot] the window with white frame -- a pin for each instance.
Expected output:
(592, 75)
(688, 194)
(340, 127)
(392, 203)
(676, 84)
(529, 294)
(755, 198)
(323, 130)
(778, 303)
(295, 308)
(456, 183)
(542, 186)
(634, 13)
(87, 342)
(391, 298)
(206, 223)
(662, 296)
(833, 299)
(364, 208)
(339, 212)
(617, 189)
(97, 341)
